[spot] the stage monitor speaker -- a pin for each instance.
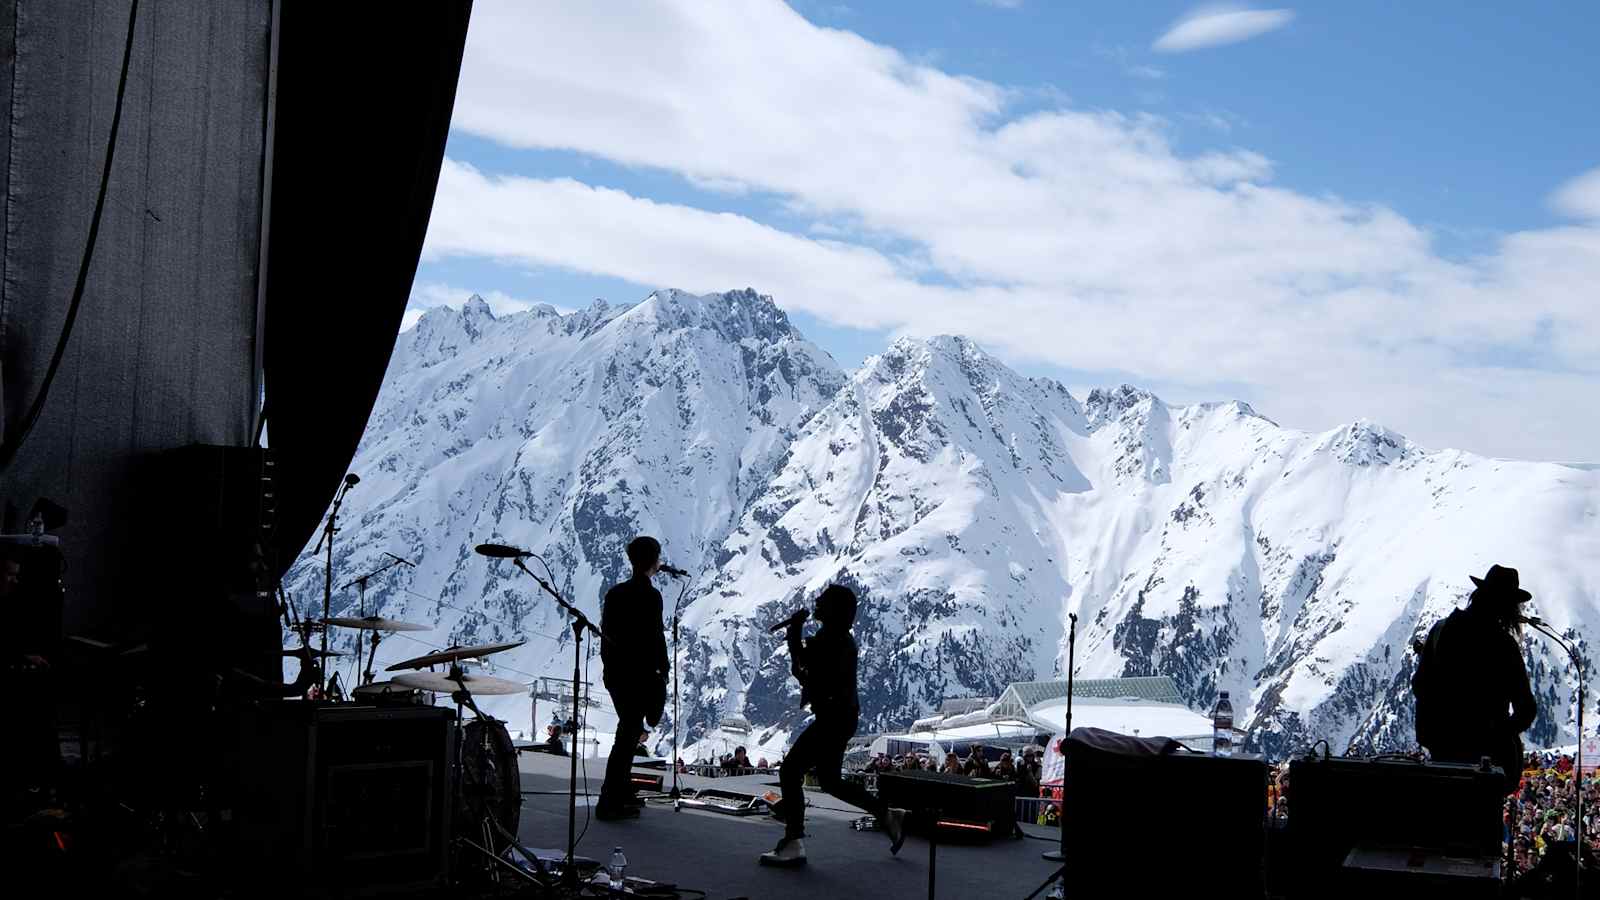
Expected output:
(213, 519)
(1417, 875)
(975, 804)
(1139, 823)
(1336, 804)
(345, 800)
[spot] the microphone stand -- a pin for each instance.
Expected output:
(327, 572)
(677, 725)
(580, 623)
(1577, 768)
(1060, 855)
(363, 678)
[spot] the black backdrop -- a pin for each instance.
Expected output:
(272, 184)
(364, 99)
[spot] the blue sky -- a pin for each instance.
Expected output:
(1350, 210)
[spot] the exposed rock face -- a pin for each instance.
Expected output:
(969, 507)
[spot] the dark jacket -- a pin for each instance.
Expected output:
(634, 651)
(825, 665)
(1473, 698)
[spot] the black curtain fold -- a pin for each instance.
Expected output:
(364, 96)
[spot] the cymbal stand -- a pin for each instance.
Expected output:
(463, 699)
(580, 624)
(328, 531)
(361, 607)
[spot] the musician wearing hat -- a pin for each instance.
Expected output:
(1471, 684)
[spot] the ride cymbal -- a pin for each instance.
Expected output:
(442, 683)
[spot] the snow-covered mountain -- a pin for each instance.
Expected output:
(970, 507)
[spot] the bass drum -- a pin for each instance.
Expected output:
(491, 787)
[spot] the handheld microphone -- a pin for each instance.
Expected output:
(1535, 621)
(674, 571)
(352, 480)
(400, 559)
(800, 615)
(501, 551)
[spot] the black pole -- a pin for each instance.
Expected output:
(1577, 664)
(677, 722)
(1060, 854)
(933, 852)
(570, 873)
(327, 576)
(579, 623)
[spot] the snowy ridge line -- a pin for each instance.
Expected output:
(970, 508)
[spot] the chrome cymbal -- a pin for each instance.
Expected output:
(375, 623)
(442, 683)
(453, 654)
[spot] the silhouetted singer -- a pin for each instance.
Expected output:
(825, 666)
(634, 663)
(1471, 685)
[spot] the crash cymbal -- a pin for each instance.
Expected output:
(442, 683)
(376, 623)
(309, 652)
(452, 654)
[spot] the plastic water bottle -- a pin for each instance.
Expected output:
(1222, 727)
(615, 868)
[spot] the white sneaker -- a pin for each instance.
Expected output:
(789, 853)
(894, 825)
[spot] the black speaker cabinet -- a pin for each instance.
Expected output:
(1137, 824)
(930, 797)
(341, 800)
(1337, 804)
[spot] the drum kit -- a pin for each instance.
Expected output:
(484, 777)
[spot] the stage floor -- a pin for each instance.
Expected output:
(717, 853)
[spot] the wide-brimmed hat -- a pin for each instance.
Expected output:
(1500, 581)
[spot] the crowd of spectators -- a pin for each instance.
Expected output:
(1540, 813)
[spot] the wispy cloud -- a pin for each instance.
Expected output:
(1213, 26)
(1083, 238)
(1580, 197)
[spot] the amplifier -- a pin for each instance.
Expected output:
(1151, 822)
(951, 802)
(345, 799)
(1418, 875)
(1337, 803)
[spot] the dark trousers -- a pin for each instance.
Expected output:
(820, 746)
(618, 785)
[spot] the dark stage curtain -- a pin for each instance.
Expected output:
(163, 350)
(364, 99)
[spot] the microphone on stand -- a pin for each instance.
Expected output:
(400, 559)
(501, 551)
(1535, 621)
(800, 615)
(674, 571)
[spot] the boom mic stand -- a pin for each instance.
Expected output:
(363, 678)
(1577, 768)
(328, 531)
(580, 623)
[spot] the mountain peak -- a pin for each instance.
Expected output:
(1366, 443)
(1105, 405)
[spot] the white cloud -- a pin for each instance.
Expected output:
(1213, 26)
(1580, 197)
(1079, 238)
